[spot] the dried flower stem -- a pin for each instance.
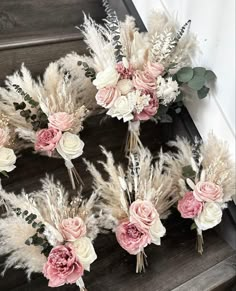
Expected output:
(141, 262)
(132, 140)
(200, 241)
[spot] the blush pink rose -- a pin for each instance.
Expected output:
(62, 266)
(106, 97)
(189, 206)
(154, 69)
(148, 111)
(143, 213)
(47, 139)
(125, 72)
(61, 121)
(132, 238)
(73, 228)
(144, 82)
(4, 136)
(208, 192)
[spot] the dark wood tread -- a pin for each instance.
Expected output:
(40, 38)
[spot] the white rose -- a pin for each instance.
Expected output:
(7, 159)
(123, 108)
(210, 216)
(107, 78)
(85, 252)
(157, 230)
(125, 86)
(70, 146)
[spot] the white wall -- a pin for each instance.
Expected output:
(214, 23)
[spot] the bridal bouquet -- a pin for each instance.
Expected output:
(140, 75)
(7, 155)
(206, 176)
(136, 200)
(46, 232)
(49, 113)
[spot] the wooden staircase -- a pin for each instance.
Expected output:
(37, 32)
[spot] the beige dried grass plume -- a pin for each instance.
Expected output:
(143, 179)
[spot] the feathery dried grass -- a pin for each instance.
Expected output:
(215, 159)
(142, 180)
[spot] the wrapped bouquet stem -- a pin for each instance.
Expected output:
(133, 141)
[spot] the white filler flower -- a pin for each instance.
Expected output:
(167, 90)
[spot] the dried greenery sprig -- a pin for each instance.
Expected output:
(113, 26)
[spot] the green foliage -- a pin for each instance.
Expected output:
(188, 172)
(196, 79)
(112, 24)
(38, 121)
(26, 96)
(89, 72)
(4, 173)
(210, 75)
(180, 33)
(185, 74)
(197, 82)
(36, 239)
(193, 226)
(203, 92)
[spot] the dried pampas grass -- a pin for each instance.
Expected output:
(212, 157)
(143, 179)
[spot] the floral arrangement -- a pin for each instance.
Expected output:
(7, 155)
(206, 182)
(54, 233)
(49, 114)
(136, 200)
(140, 75)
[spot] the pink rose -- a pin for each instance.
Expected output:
(132, 238)
(61, 121)
(148, 111)
(62, 266)
(73, 228)
(106, 97)
(154, 69)
(126, 72)
(189, 206)
(47, 139)
(142, 213)
(208, 191)
(4, 136)
(144, 82)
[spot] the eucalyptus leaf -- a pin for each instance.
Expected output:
(185, 74)
(4, 173)
(197, 82)
(203, 92)
(199, 71)
(188, 172)
(193, 226)
(210, 75)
